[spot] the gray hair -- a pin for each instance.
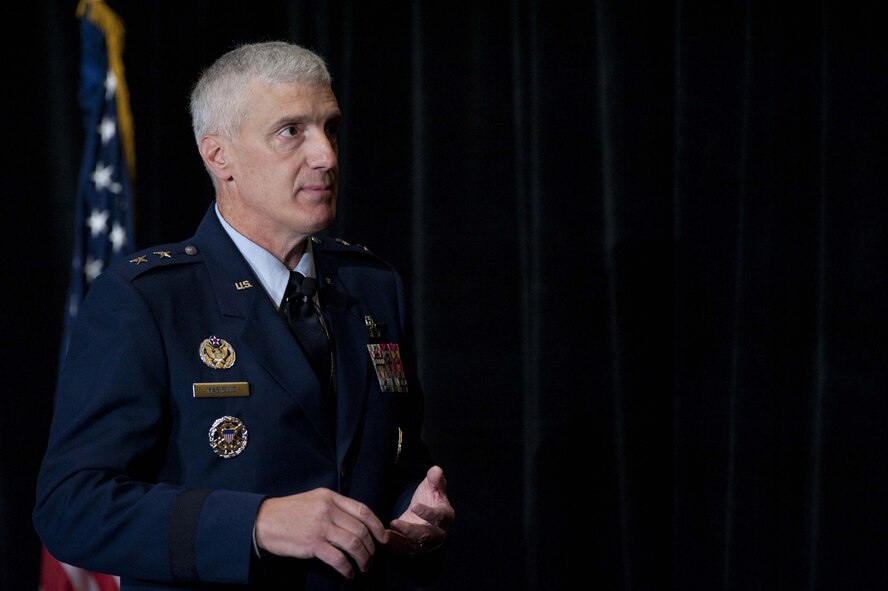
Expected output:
(218, 99)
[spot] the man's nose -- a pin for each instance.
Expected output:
(321, 151)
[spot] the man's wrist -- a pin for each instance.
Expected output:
(256, 549)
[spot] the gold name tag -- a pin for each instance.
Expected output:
(221, 389)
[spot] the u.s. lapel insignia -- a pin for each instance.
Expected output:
(386, 358)
(217, 353)
(228, 436)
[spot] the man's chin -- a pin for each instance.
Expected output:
(322, 222)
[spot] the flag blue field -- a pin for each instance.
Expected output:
(103, 219)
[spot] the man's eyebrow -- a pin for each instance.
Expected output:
(288, 120)
(334, 117)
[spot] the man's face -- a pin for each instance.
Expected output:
(286, 161)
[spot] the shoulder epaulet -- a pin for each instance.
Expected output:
(155, 257)
(338, 244)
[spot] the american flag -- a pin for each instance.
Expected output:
(103, 217)
(58, 576)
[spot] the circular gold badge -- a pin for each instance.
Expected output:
(228, 436)
(217, 353)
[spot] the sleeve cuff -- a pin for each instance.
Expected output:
(223, 552)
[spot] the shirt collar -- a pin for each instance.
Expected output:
(272, 274)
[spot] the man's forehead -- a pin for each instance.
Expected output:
(296, 87)
(295, 96)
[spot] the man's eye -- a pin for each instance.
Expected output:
(291, 131)
(332, 130)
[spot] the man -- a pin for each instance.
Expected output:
(196, 441)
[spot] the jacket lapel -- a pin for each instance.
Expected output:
(264, 334)
(343, 314)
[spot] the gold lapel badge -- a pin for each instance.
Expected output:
(228, 436)
(217, 353)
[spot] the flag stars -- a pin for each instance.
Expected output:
(93, 268)
(97, 222)
(117, 237)
(101, 177)
(110, 84)
(107, 129)
(73, 305)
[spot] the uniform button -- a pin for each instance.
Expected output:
(191, 250)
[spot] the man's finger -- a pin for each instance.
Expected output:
(362, 513)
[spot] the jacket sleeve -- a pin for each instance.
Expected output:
(99, 504)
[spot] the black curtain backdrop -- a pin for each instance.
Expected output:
(644, 241)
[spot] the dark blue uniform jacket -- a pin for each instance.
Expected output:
(130, 484)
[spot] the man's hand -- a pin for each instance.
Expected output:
(320, 524)
(423, 526)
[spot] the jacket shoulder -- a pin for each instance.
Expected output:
(164, 256)
(343, 248)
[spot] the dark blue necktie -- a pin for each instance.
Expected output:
(305, 322)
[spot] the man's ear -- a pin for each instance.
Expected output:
(212, 150)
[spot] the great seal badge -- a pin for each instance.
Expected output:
(217, 353)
